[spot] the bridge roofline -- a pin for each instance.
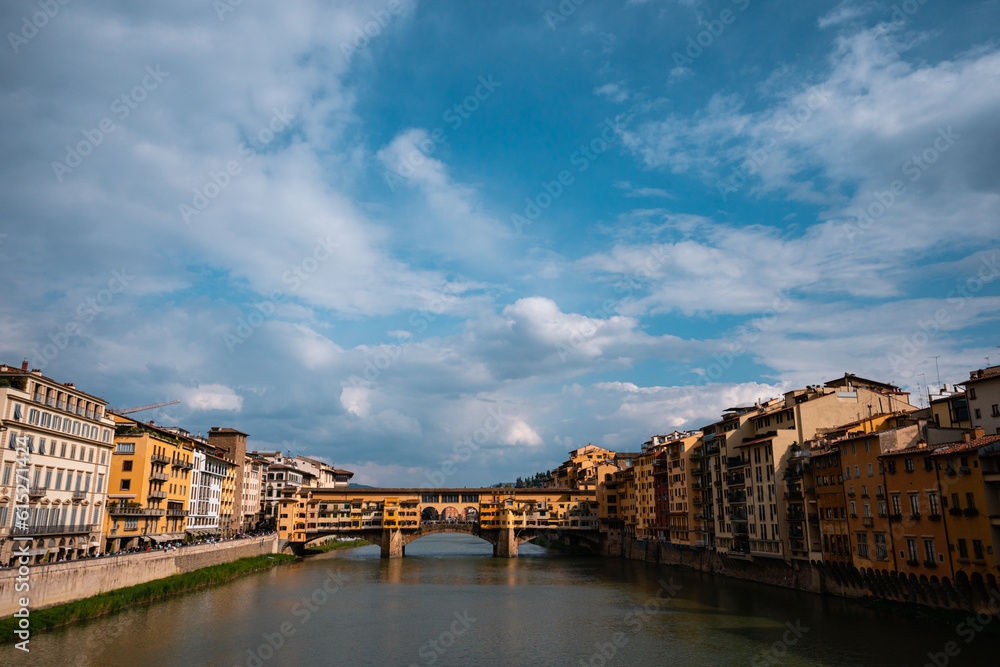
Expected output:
(418, 491)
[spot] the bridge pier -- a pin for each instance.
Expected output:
(506, 545)
(392, 544)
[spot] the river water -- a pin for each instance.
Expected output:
(449, 602)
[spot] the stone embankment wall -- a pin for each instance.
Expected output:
(822, 578)
(59, 583)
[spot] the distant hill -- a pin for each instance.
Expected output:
(352, 485)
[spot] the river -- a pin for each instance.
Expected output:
(449, 602)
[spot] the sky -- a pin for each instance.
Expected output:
(441, 244)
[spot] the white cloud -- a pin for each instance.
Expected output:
(205, 397)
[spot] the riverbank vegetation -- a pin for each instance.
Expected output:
(131, 596)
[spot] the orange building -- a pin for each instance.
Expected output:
(964, 496)
(919, 534)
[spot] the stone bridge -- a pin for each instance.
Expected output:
(392, 518)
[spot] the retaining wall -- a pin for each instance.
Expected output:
(822, 578)
(58, 583)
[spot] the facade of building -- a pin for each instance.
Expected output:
(150, 483)
(66, 442)
(918, 534)
(982, 391)
(234, 445)
(208, 479)
(971, 519)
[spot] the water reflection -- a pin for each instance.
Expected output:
(449, 602)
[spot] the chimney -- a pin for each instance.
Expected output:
(24, 365)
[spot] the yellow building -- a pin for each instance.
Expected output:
(149, 487)
(963, 470)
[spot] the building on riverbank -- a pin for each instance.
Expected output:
(150, 485)
(68, 436)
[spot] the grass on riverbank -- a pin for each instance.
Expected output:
(333, 545)
(123, 598)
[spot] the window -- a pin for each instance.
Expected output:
(870, 471)
(847, 472)
(914, 504)
(857, 470)
(862, 544)
(928, 463)
(125, 448)
(929, 550)
(6, 477)
(62, 451)
(934, 503)
(126, 485)
(17, 412)
(970, 500)
(963, 549)
(977, 549)
(127, 465)
(58, 479)
(891, 467)
(908, 465)
(868, 509)
(881, 552)
(979, 414)
(996, 410)
(911, 550)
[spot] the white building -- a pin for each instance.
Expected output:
(210, 469)
(68, 440)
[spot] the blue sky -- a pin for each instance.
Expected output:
(498, 223)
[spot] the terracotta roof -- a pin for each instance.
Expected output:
(969, 446)
(919, 448)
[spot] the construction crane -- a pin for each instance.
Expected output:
(144, 407)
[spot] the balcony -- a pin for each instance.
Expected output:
(115, 510)
(930, 563)
(793, 495)
(955, 511)
(895, 518)
(970, 511)
(736, 462)
(796, 516)
(963, 470)
(738, 498)
(737, 480)
(79, 495)
(934, 517)
(159, 458)
(37, 491)
(915, 516)
(157, 494)
(61, 529)
(158, 476)
(867, 521)
(177, 512)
